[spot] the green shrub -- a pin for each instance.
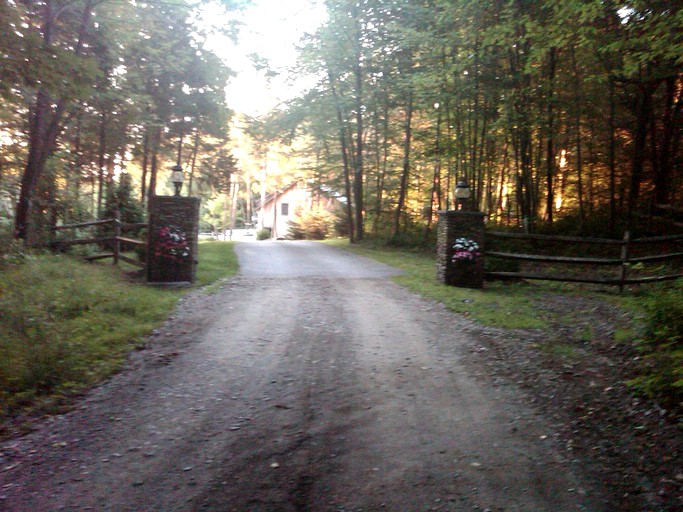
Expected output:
(415, 238)
(11, 249)
(313, 224)
(122, 198)
(67, 324)
(341, 221)
(662, 349)
(263, 234)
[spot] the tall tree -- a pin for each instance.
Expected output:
(67, 79)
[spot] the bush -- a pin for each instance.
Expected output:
(11, 249)
(662, 349)
(341, 221)
(263, 234)
(415, 238)
(129, 207)
(67, 324)
(314, 224)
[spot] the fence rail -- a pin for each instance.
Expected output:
(623, 262)
(116, 240)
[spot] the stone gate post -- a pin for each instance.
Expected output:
(172, 239)
(454, 224)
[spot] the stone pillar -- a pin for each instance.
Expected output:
(453, 225)
(172, 239)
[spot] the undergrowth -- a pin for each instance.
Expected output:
(68, 324)
(662, 348)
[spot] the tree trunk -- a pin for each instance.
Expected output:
(550, 140)
(101, 162)
(474, 124)
(479, 184)
(667, 150)
(612, 158)
(521, 129)
(345, 156)
(403, 191)
(156, 143)
(382, 166)
(145, 165)
(358, 167)
(577, 128)
(75, 173)
(45, 122)
(193, 162)
(436, 178)
(642, 123)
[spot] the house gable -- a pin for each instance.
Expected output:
(283, 206)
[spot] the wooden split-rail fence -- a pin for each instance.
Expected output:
(623, 262)
(114, 241)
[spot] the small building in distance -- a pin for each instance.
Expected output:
(288, 204)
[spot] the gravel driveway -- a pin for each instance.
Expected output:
(309, 382)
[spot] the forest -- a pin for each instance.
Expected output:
(562, 115)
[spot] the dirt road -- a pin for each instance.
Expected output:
(310, 382)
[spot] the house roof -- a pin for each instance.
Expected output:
(272, 196)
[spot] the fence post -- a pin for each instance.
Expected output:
(625, 246)
(117, 234)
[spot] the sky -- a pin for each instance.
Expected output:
(272, 29)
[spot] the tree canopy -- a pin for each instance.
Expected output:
(549, 108)
(556, 112)
(91, 87)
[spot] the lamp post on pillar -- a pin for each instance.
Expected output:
(460, 242)
(177, 178)
(462, 194)
(173, 232)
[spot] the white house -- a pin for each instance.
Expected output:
(284, 205)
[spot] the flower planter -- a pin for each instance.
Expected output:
(172, 239)
(460, 259)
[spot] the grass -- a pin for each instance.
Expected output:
(68, 325)
(559, 350)
(500, 305)
(625, 335)
(217, 260)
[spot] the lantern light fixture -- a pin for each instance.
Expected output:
(462, 193)
(177, 178)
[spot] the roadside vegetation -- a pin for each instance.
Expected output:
(662, 348)
(651, 325)
(217, 261)
(68, 325)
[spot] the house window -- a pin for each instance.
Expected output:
(285, 209)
